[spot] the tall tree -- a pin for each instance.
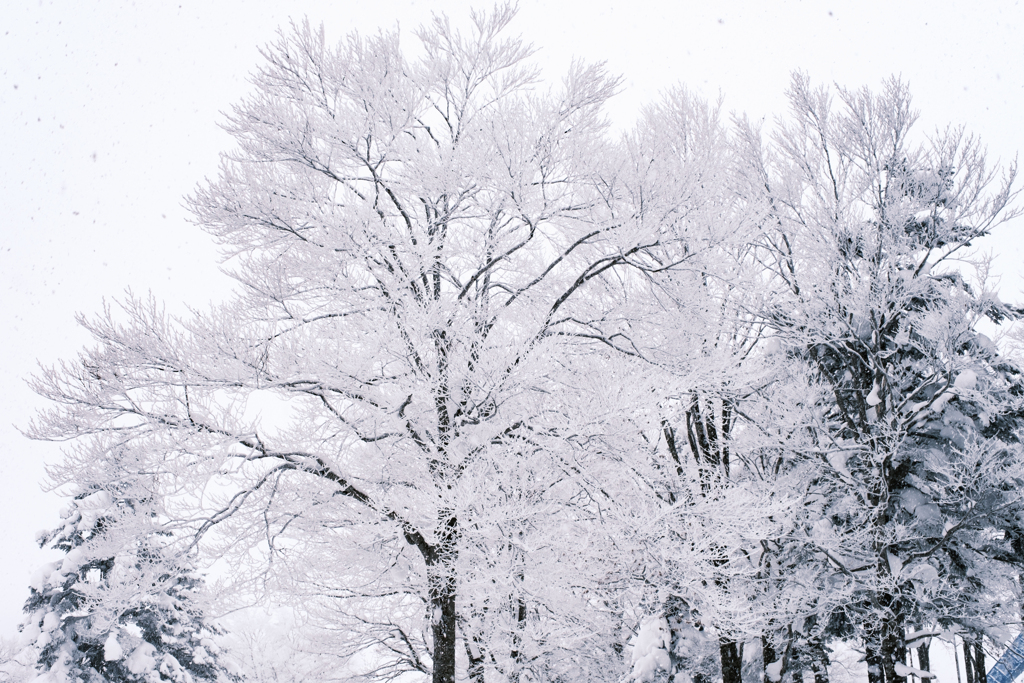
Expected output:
(712, 443)
(918, 442)
(420, 246)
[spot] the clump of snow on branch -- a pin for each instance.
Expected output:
(651, 647)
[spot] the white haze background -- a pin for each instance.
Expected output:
(109, 114)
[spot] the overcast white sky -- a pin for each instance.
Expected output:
(109, 115)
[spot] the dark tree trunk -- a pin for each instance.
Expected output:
(787, 657)
(874, 637)
(968, 662)
(517, 637)
(441, 589)
(980, 674)
(924, 660)
(894, 649)
(441, 580)
(892, 654)
(732, 661)
(819, 660)
(768, 655)
(891, 635)
(442, 602)
(795, 659)
(874, 661)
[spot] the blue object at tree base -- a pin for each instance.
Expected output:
(1010, 665)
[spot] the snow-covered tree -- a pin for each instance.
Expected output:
(121, 604)
(422, 246)
(708, 490)
(498, 392)
(917, 452)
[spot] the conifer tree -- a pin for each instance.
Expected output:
(918, 441)
(121, 605)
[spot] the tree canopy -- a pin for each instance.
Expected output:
(507, 396)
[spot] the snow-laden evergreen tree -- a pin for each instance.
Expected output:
(121, 605)
(916, 495)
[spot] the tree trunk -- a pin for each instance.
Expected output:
(894, 650)
(819, 660)
(980, 674)
(924, 661)
(768, 656)
(517, 636)
(956, 661)
(968, 662)
(441, 562)
(892, 636)
(442, 603)
(795, 659)
(441, 588)
(786, 658)
(732, 661)
(874, 661)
